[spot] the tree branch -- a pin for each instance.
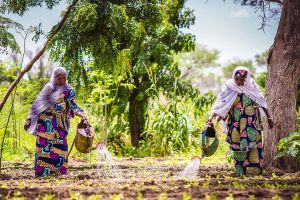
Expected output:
(38, 55)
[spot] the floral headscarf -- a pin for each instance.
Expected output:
(241, 73)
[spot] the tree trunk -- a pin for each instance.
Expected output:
(137, 109)
(282, 80)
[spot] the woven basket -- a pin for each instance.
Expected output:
(209, 149)
(84, 137)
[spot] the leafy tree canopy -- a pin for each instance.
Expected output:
(21, 6)
(127, 38)
(7, 39)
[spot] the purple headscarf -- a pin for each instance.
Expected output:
(47, 97)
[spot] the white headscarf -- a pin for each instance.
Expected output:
(47, 97)
(230, 91)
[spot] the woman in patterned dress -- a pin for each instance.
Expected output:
(49, 121)
(241, 105)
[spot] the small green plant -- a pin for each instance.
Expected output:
(229, 197)
(162, 196)
(290, 146)
(139, 196)
(213, 196)
(48, 197)
(75, 196)
(17, 195)
(94, 197)
(276, 197)
(117, 196)
(186, 196)
(295, 196)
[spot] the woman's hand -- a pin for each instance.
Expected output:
(82, 115)
(27, 124)
(209, 120)
(270, 122)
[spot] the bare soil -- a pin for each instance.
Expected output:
(144, 178)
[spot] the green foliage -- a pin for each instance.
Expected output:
(227, 70)
(119, 54)
(199, 58)
(131, 40)
(261, 59)
(298, 121)
(170, 133)
(101, 31)
(86, 17)
(193, 63)
(261, 80)
(296, 196)
(7, 39)
(290, 146)
(20, 7)
(175, 124)
(298, 95)
(18, 144)
(203, 102)
(186, 196)
(8, 73)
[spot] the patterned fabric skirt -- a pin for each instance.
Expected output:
(51, 157)
(248, 162)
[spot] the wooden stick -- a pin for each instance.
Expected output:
(71, 148)
(5, 131)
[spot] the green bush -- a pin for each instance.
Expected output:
(290, 146)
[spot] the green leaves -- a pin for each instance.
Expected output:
(171, 132)
(86, 17)
(118, 39)
(289, 146)
(227, 70)
(7, 39)
(21, 6)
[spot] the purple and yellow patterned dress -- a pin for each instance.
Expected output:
(52, 131)
(244, 136)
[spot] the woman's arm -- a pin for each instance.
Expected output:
(214, 115)
(71, 98)
(211, 117)
(270, 121)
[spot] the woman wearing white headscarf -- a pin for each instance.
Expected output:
(241, 105)
(49, 121)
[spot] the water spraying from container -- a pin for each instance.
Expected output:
(106, 166)
(192, 169)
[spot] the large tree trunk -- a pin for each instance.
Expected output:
(137, 109)
(282, 80)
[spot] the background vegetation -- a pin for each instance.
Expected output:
(146, 87)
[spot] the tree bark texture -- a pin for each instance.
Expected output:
(282, 80)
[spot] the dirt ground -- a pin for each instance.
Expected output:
(144, 178)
